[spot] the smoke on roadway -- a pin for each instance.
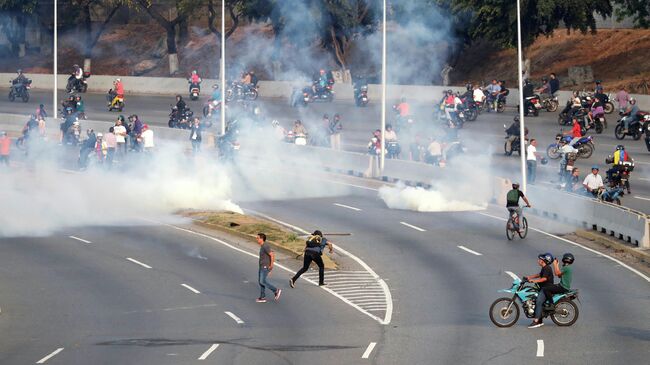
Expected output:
(43, 199)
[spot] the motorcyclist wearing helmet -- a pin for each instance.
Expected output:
(195, 81)
(180, 105)
(543, 279)
(565, 274)
(320, 82)
(617, 159)
(76, 77)
(512, 203)
(20, 81)
(513, 133)
(216, 93)
(631, 115)
(119, 88)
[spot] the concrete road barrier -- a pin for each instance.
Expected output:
(270, 89)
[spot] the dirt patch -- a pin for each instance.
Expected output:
(248, 227)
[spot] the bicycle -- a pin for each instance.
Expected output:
(513, 223)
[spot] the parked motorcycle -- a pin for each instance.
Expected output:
(20, 90)
(636, 128)
(504, 312)
(585, 146)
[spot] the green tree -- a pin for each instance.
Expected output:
(639, 10)
(13, 26)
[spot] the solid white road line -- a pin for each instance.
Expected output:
(79, 239)
(512, 275)
(645, 277)
(641, 197)
(43, 360)
(371, 347)
(190, 289)
(644, 179)
(139, 263)
(412, 226)
(207, 353)
(470, 251)
(540, 348)
(237, 319)
(347, 207)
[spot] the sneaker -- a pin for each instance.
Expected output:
(536, 324)
(322, 284)
(261, 300)
(277, 294)
(292, 283)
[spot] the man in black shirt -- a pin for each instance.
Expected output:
(554, 83)
(543, 279)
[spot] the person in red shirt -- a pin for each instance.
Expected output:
(403, 108)
(195, 79)
(576, 132)
(119, 88)
(5, 146)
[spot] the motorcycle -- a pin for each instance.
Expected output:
(470, 109)
(532, 105)
(115, 102)
(361, 96)
(237, 91)
(565, 118)
(620, 174)
(325, 94)
(515, 146)
(607, 104)
(585, 146)
(636, 127)
(80, 85)
(550, 103)
(297, 139)
(212, 106)
(20, 90)
(393, 149)
(488, 104)
(180, 120)
(195, 91)
(504, 312)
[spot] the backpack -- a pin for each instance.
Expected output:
(513, 196)
(314, 241)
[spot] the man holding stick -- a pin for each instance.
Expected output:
(313, 252)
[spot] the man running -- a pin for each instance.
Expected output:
(313, 252)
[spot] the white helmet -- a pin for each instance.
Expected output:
(99, 135)
(76, 122)
(118, 79)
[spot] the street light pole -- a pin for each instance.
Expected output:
(222, 67)
(382, 155)
(522, 125)
(55, 66)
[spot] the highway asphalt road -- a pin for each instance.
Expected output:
(115, 295)
(485, 136)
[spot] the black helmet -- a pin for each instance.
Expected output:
(620, 147)
(19, 71)
(544, 79)
(515, 185)
(568, 258)
(469, 86)
(317, 233)
(546, 257)
(544, 160)
(516, 119)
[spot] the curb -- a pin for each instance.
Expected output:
(616, 244)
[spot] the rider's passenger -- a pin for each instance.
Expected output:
(512, 201)
(565, 274)
(543, 279)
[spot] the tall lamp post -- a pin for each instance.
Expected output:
(222, 67)
(382, 155)
(55, 66)
(522, 125)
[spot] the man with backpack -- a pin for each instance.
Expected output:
(313, 252)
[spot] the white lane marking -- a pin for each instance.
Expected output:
(237, 319)
(645, 277)
(512, 275)
(371, 347)
(389, 298)
(43, 360)
(412, 226)
(644, 179)
(347, 207)
(470, 251)
(139, 263)
(642, 162)
(79, 239)
(641, 197)
(540, 348)
(207, 353)
(190, 289)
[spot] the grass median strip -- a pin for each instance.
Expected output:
(248, 227)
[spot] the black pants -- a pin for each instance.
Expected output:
(551, 290)
(309, 257)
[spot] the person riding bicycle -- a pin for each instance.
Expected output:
(543, 279)
(512, 203)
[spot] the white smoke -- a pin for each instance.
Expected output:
(423, 200)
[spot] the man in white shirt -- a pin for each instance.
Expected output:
(479, 96)
(390, 134)
(147, 138)
(593, 182)
(120, 136)
(531, 161)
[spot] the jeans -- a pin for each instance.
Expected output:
(196, 146)
(627, 120)
(539, 303)
(574, 141)
(531, 168)
(509, 141)
(309, 257)
(4, 159)
(110, 153)
(263, 281)
(551, 290)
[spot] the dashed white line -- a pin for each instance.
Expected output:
(512, 275)
(644, 179)
(207, 353)
(642, 198)
(540, 348)
(234, 317)
(79, 239)
(139, 263)
(190, 289)
(43, 360)
(347, 207)
(470, 251)
(371, 347)
(412, 226)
